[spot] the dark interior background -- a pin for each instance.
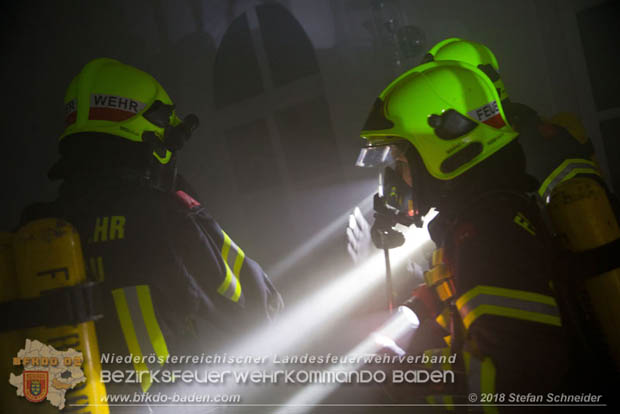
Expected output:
(282, 89)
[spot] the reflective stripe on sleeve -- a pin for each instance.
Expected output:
(141, 330)
(231, 286)
(565, 171)
(510, 303)
(443, 319)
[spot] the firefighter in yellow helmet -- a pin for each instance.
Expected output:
(555, 148)
(580, 210)
(446, 136)
(173, 282)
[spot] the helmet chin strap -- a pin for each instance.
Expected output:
(163, 176)
(174, 138)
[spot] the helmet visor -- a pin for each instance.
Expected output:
(381, 155)
(374, 157)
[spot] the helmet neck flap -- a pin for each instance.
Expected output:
(91, 156)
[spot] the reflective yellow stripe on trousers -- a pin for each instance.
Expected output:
(510, 303)
(231, 286)
(480, 380)
(446, 400)
(141, 330)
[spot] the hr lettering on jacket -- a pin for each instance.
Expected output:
(109, 228)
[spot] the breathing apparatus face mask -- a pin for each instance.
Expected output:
(395, 191)
(398, 182)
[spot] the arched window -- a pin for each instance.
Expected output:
(270, 103)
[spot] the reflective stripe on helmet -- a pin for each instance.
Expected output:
(509, 303)
(113, 107)
(231, 286)
(141, 330)
(565, 171)
(489, 114)
(70, 112)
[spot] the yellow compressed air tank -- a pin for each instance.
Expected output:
(48, 255)
(10, 342)
(582, 216)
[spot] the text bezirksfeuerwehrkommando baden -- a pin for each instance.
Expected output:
(279, 376)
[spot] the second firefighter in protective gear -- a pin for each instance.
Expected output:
(449, 139)
(173, 281)
(580, 210)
